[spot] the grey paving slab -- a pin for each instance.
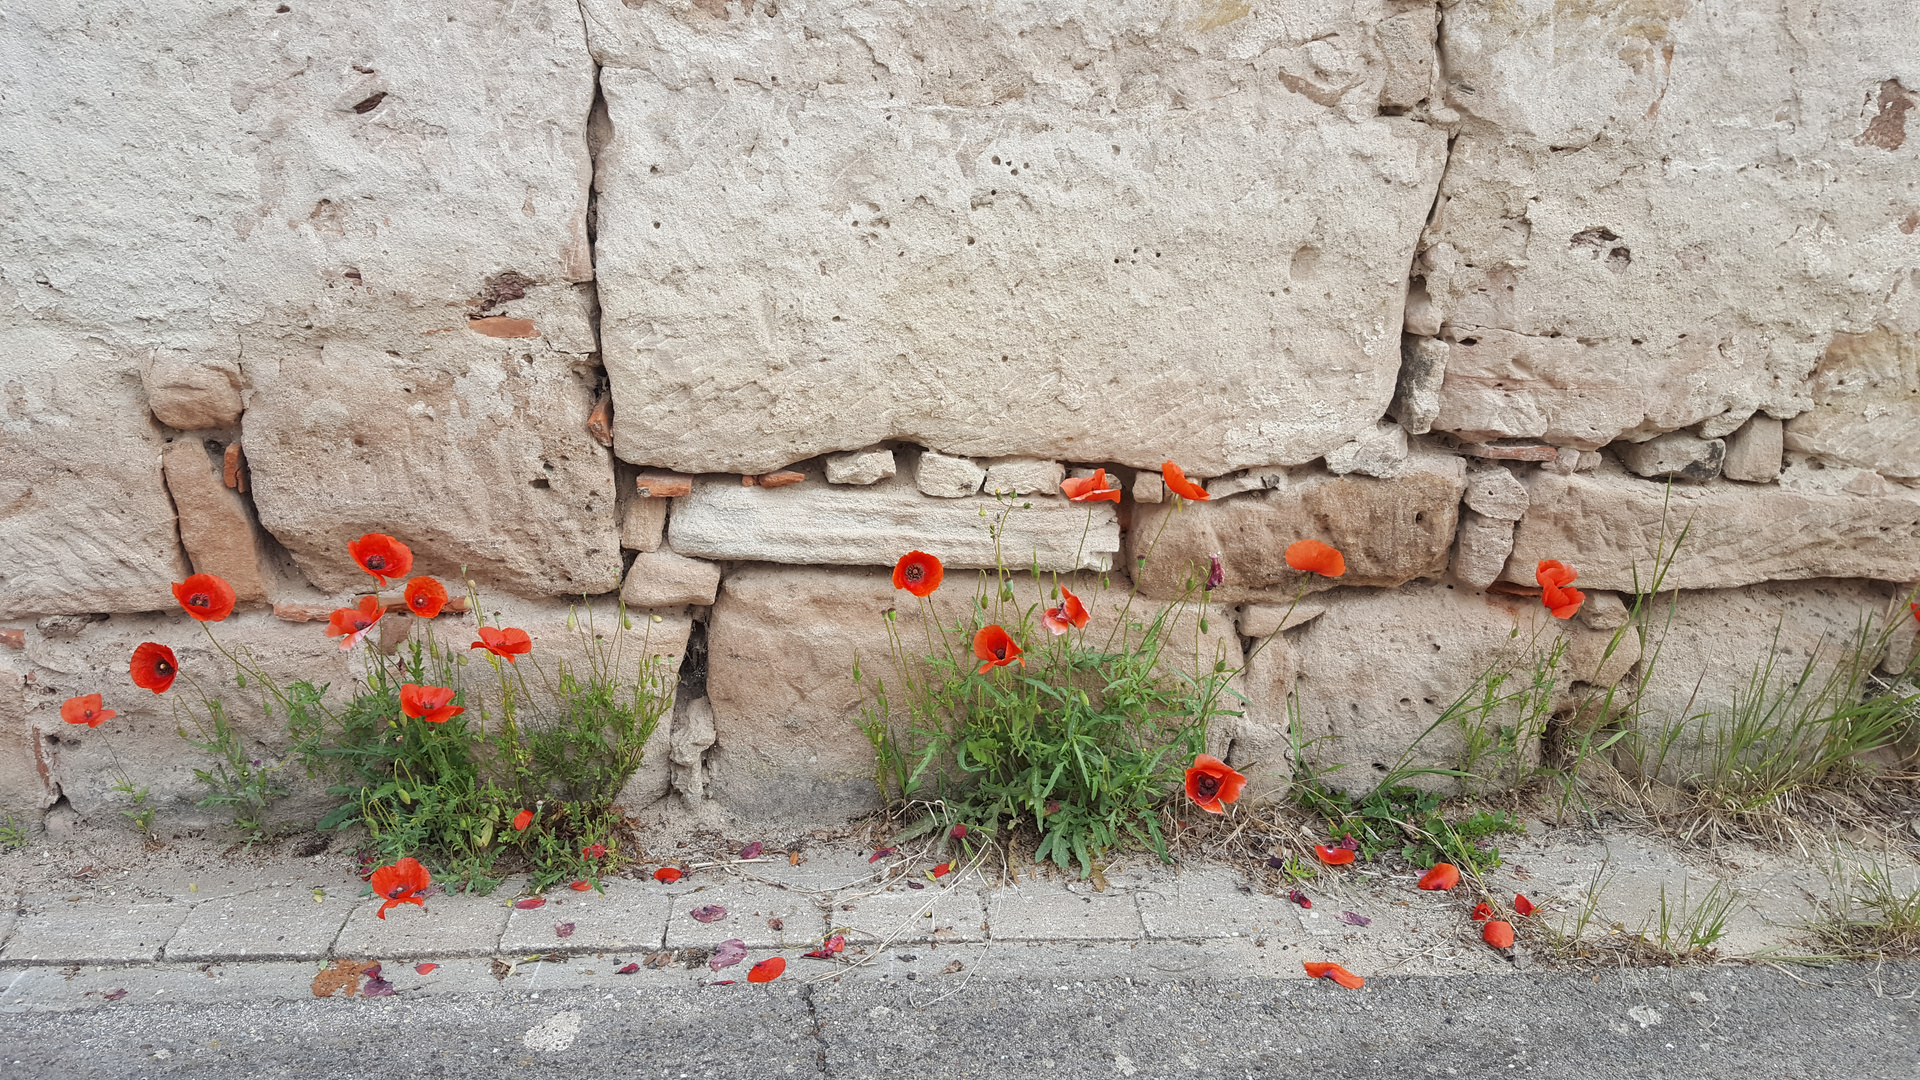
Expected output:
(749, 907)
(1213, 905)
(267, 924)
(453, 925)
(628, 915)
(1040, 911)
(957, 914)
(55, 930)
(7, 919)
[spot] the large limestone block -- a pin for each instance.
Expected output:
(1622, 245)
(874, 525)
(782, 643)
(1390, 531)
(473, 452)
(1866, 404)
(1071, 230)
(1608, 526)
(87, 525)
(294, 184)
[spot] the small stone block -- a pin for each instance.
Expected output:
(1495, 492)
(1266, 620)
(1512, 451)
(1677, 454)
(1149, 487)
(658, 485)
(53, 929)
(946, 477)
(454, 924)
(1044, 912)
(1024, 476)
(860, 467)
(503, 326)
(268, 924)
(1754, 451)
(627, 916)
(13, 637)
(749, 906)
(661, 578)
(781, 479)
(643, 524)
(1211, 907)
(951, 915)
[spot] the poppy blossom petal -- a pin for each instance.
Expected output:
(1068, 614)
(1333, 856)
(1523, 905)
(581, 886)
(767, 970)
(1212, 783)
(996, 648)
(521, 820)
(1090, 488)
(153, 667)
(1442, 877)
(402, 883)
(667, 875)
(1314, 557)
(425, 597)
(1176, 480)
(426, 969)
(206, 597)
(1498, 933)
(1335, 972)
(86, 709)
(382, 556)
(918, 572)
(1482, 912)
(508, 643)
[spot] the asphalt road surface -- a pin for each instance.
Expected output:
(1750, 1022)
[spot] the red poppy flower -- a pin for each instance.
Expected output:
(1555, 578)
(1523, 905)
(1177, 482)
(1442, 877)
(206, 597)
(767, 970)
(401, 883)
(667, 875)
(425, 597)
(594, 851)
(382, 556)
(995, 646)
(1498, 933)
(1337, 973)
(350, 625)
(521, 820)
(1070, 613)
(580, 886)
(85, 710)
(1482, 912)
(428, 703)
(508, 643)
(1915, 608)
(918, 572)
(1314, 557)
(154, 667)
(1333, 856)
(1211, 783)
(1090, 488)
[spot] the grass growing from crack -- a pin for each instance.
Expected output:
(1683, 929)
(1868, 915)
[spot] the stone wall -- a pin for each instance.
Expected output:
(723, 304)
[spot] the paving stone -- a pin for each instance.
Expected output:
(957, 914)
(749, 906)
(1211, 905)
(7, 918)
(628, 915)
(1039, 912)
(54, 930)
(451, 925)
(267, 924)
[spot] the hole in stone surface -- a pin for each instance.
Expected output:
(541, 483)
(371, 102)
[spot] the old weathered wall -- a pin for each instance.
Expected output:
(1454, 286)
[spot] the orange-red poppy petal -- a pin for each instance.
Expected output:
(508, 643)
(206, 597)
(1314, 557)
(1090, 488)
(425, 597)
(86, 709)
(918, 572)
(1319, 970)
(1212, 783)
(996, 648)
(521, 820)
(667, 875)
(1176, 480)
(153, 667)
(382, 556)
(1522, 905)
(1498, 933)
(1333, 856)
(1442, 877)
(1482, 911)
(767, 970)
(1068, 614)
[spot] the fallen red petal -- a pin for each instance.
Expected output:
(1333, 856)
(528, 903)
(1498, 933)
(628, 970)
(667, 874)
(881, 854)
(564, 929)
(767, 970)
(753, 850)
(708, 913)
(1523, 905)
(425, 969)
(581, 886)
(1482, 912)
(1442, 877)
(1348, 979)
(1300, 898)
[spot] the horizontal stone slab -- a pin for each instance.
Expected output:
(842, 525)
(1609, 527)
(269, 924)
(54, 929)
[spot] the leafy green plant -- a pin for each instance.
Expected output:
(1411, 822)
(13, 835)
(140, 814)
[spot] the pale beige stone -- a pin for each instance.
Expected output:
(216, 525)
(1609, 526)
(1265, 620)
(693, 735)
(1381, 452)
(945, 477)
(1496, 493)
(860, 467)
(1677, 455)
(1149, 487)
(661, 578)
(643, 524)
(190, 395)
(1754, 451)
(1422, 377)
(1481, 549)
(1262, 744)
(1390, 532)
(1603, 611)
(1866, 404)
(872, 272)
(1024, 476)
(875, 525)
